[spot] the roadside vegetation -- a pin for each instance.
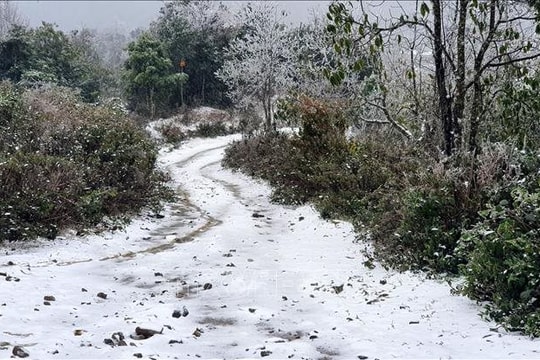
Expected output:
(440, 172)
(73, 107)
(422, 129)
(64, 163)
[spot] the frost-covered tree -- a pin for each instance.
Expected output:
(464, 50)
(314, 58)
(9, 16)
(258, 63)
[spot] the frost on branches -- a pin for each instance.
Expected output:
(258, 63)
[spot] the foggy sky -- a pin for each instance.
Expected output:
(70, 15)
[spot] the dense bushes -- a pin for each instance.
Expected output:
(503, 250)
(478, 214)
(64, 163)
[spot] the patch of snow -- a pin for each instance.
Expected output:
(256, 279)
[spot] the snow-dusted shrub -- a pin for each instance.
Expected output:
(212, 129)
(66, 163)
(504, 253)
(171, 133)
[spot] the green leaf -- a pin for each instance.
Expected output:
(347, 28)
(424, 9)
(378, 41)
(359, 65)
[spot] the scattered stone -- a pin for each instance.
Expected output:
(108, 342)
(338, 288)
(230, 265)
(414, 322)
(301, 218)
(78, 332)
(227, 255)
(10, 263)
(207, 286)
(147, 333)
(185, 311)
(198, 332)
(250, 260)
(84, 290)
(49, 298)
(176, 314)
(382, 282)
(46, 303)
(158, 274)
(257, 215)
(266, 353)
(251, 310)
(119, 338)
(138, 355)
(313, 337)
(20, 352)
(362, 357)
(3, 274)
(102, 295)
(171, 342)
(284, 298)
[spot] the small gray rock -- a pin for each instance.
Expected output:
(20, 352)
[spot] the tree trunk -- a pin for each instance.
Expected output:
(445, 101)
(151, 103)
(477, 108)
(202, 90)
(459, 104)
(267, 106)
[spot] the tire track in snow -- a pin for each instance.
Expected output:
(209, 223)
(179, 218)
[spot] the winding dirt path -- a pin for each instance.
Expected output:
(245, 278)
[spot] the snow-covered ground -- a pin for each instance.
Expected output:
(257, 279)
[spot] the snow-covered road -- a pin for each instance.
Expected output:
(257, 279)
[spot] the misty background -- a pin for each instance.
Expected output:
(128, 15)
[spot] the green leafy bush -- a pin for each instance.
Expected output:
(429, 230)
(66, 163)
(211, 129)
(172, 133)
(504, 254)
